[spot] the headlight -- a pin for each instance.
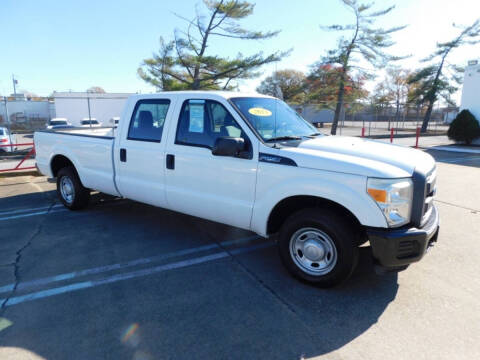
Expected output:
(394, 197)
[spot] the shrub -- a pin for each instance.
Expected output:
(464, 128)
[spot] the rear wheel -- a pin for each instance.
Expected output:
(70, 190)
(318, 247)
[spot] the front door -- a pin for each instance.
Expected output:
(218, 188)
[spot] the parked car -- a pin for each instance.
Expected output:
(56, 123)
(7, 140)
(89, 122)
(248, 160)
(114, 121)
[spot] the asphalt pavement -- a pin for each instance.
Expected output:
(123, 280)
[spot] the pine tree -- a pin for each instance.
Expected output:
(185, 63)
(433, 81)
(364, 42)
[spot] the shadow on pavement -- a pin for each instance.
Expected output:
(243, 307)
(455, 158)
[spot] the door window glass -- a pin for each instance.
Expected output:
(201, 122)
(148, 119)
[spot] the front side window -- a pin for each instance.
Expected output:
(148, 119)
(272, 118)
(201, 122)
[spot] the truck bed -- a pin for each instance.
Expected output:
(89, 149)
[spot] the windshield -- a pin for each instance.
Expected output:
(58, 122)
(273, 119)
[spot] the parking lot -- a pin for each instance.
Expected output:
(123, 280)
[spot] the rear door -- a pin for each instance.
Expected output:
(141, 152)
(218, 188)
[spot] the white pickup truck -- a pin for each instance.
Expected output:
(250, 161)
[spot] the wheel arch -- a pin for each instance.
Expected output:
(289, 205)
(59, 162)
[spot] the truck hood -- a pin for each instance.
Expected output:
(358, 156)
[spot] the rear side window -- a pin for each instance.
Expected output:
(203, 121)
(2, 132)
(148, 119)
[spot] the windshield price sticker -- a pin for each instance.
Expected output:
(259, 111)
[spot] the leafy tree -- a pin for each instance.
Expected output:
(290, 82)
(363, 42)
(433, 81)
(322, 86)
(184, 62)
(464, 128)
(96, 89)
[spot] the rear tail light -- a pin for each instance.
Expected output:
(3, 140)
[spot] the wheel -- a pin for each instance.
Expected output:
(318, 247)
(70, 190)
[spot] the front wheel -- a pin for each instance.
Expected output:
(318, 247)
(70, 190)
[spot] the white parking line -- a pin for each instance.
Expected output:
(9, 215)
(130, 275)
(18, 211)
(32, 214)
(136, 262)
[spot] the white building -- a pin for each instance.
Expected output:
(25, 114)
(471, 89)
(79, 105)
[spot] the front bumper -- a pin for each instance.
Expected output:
(396, 248)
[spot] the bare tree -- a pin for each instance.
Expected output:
(96, 89)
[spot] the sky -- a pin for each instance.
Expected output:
(62, 45)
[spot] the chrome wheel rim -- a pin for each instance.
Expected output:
(313, 251)
(67, 189)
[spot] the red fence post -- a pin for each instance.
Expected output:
(418, 135)
(26, 157)
(363, 131)
(391, 135)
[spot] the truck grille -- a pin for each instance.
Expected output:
(430, 191)
(424, 189)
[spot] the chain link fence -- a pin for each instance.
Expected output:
(377, 121)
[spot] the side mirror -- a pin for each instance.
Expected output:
(228, 146)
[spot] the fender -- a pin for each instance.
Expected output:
(346, 190)
(59, 150)
(94, 166)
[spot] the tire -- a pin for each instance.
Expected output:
(70, 190)
(319, 247)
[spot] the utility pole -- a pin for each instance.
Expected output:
(8, 124)
(89, 115)
(15, 82)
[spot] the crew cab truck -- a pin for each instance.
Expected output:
(250, 161)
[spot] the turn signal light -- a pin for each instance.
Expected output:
(378, 195)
